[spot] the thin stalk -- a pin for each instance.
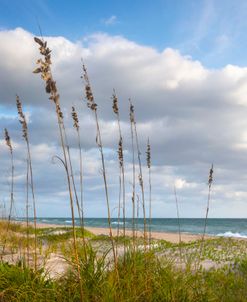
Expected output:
(210, 181)
(121, 160)
(34, 206)
(22, 120)
(119, 205)
(179, 226)
(81, 192)
(148, 153)
(9, 145)
(62, 139)
(93, 106)
(106, 187)
(80, 209)
(133, 176)
(46, 74)
(27, 212)
(140, 180)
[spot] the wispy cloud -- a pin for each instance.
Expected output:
(110, 21)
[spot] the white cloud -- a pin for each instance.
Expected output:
(110, 21)
(193, 115)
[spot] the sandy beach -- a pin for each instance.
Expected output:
(171, 237)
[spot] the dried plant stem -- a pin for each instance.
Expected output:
(81, 194)
(79, 207)
(22, 120)
(8, 143)
(119, 205)
(46, 74)
(106, 187)
(93, 106)
(210, 181)
(148, 153)
(120, 160)
(179, 226)
(27, 213)
(34, 205)
(61, 127)
(140, 176)
(133, 177)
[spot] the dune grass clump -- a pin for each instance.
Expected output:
(152, 280)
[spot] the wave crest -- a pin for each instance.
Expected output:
(231, 234)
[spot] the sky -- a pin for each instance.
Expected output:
(183, 64)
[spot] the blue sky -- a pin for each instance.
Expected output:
(184, 65)
(210, 31)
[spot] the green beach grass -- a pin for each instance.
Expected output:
(155, 275)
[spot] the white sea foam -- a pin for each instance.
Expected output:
(68, 221)
(115, 222)
(231, 234)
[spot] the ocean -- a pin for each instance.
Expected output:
(226, 227)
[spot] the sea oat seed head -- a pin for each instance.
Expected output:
(7, 140)
(75, 118)
(148, 155)
(120, 152)
(45, 70)
(210, 178)
(88, 91)
(115, 103)
(22, 118)
(132, 113)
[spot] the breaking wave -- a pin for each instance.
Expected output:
(231, 234)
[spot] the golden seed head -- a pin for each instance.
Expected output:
(210, 178)
(148, 153)
(115, 103)
(45, 70)
(22, 118)
(120, 152)
(59, 111)
(132, 113)
(88, 90)
(7, 140)
(75, 118)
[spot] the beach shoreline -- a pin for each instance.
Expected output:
(167, 236)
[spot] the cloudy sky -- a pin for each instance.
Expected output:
(183, 64)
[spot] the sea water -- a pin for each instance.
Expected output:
(227, 227)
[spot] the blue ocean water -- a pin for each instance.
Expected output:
(227, 227)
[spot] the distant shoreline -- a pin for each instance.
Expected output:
(233, 230)
(168, 236)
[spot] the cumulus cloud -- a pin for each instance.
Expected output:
(193, 115)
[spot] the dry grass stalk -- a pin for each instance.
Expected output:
(93, 106)
(9, 145)
(120, 158)
(27, 214)
(22, 120)
(44, 68)
(131, 114)
(148, 154)
(81, 208)
(140, 176)
(210, 181)
(179, 227)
